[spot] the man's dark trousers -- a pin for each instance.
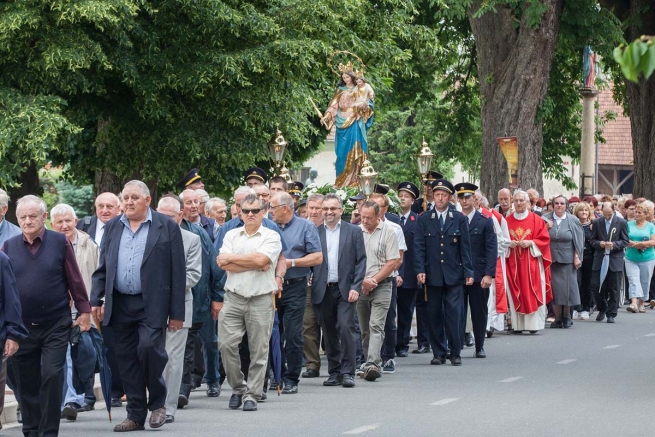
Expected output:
(445, 312)
(38, 367)
(337, 319)
(477, 298)
(141, 355)
(388, 351)
(607, 297)
(291, 311)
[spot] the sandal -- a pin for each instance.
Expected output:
(642, 309)
(632, 309)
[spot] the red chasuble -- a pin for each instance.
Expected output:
(499, 279)
(523, 273)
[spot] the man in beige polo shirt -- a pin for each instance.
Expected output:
(249, 256)
(373, 304)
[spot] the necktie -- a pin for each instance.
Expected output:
(429, 206)
(402, 221)
(441, 221)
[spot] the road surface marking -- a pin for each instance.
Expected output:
(612, 346)
(445, 401)
(515, 378)
(652, 334)
(362, 429)
(566, 361)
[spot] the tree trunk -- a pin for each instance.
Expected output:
(641, 105)
(514, 62)
(29, 184)
(107, 181)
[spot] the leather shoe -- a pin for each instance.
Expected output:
(311, 373)
(250, 405)
(481, 354)
(333, 381)
(567, 323)
(157, 418)
(116, 402)
(235, 401)
(600, 317)
(263, 397)
(438, 360)
(556, 324)
(182, 401)
(402, 354)
(610, 319)
(468, 340)
(170, 419)
(456, 361)
(348, 381)
(421, 350)
(128, 425)
(290, 389)
(70, 411)
(213, 391)
(86, 407)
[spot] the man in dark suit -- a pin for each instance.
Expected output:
(408, 292)
(484, 250)
(335, 289)
(609, 236)
(142, 280)
(442, 259)
(107, 207)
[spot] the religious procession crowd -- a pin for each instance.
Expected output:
(162, 298)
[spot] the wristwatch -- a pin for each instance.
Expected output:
(293, 263)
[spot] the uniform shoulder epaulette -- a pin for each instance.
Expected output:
(485, 213)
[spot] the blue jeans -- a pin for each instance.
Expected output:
(639, 275)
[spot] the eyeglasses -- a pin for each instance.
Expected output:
(331, 209)
(275, 206)
(254, 211)
(263, 195)
(559, 203)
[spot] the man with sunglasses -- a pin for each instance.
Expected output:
(304, 251)
(249, 255)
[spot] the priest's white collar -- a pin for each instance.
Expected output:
(521, 215)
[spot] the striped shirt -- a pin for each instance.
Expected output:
(381, 246)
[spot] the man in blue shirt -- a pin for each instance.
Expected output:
(7, 230)
(303, 252)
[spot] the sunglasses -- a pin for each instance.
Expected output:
(254, 211)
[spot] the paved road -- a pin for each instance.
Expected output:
(593, 379)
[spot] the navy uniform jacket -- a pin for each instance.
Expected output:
(208, 225)
(406, 270)
(443, 255)
(395, 218)
(484, 246)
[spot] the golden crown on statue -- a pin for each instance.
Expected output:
(348, 67)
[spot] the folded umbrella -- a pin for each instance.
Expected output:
(103, 368)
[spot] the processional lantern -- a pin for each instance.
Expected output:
(367, 177)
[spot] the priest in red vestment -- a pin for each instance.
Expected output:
(528, 267)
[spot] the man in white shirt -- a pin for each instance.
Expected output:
(249, 256)
(390, 329)
(107, 207)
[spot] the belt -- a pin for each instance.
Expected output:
(332, 284)
(294, 280)
(385, 280)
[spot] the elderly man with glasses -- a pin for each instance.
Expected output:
(249, 255)
(304, 251)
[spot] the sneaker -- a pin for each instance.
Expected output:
(360, 370)
(584, 315)
(389, 367)
(576, 315)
